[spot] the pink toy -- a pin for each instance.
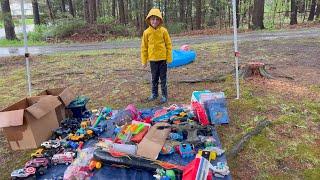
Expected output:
(185, 47)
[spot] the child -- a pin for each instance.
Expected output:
(156, 48)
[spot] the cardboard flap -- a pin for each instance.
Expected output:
(11, 118)
(66, 96)
(44, 106)
(152, 143)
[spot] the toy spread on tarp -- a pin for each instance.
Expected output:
(175, 142)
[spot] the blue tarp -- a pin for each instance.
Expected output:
(108, 172)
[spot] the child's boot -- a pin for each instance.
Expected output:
(152, 97)
(163, 99)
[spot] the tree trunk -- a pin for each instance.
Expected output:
(182, 10)
(198, 14)
(50, 10)
(238, 13)
(294, 12)
(257, 16)
(189, 14)
(36, 15)
(98, 8)
(71, 10)
(86, 12)
(254, 69)
(63, 6)
(318, 10)
(113, 10)
(7, 20)
(312, 10)
(92, 11)
(122, 18)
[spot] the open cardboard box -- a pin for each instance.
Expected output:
(65, 95)
(30, 121)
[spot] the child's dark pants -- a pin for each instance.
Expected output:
(159, 70)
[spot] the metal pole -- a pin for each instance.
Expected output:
(26, 53)
(235, 42)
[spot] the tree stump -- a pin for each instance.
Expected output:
(254, 69)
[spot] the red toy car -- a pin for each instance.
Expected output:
(63, 158)
(41, 164)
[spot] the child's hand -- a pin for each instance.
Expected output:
(144, 65)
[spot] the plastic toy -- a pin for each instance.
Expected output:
(61, 132)
(72, 124)
(192, 128)
(176, 136)
(185, 150)
(94, 164)
(51, 144)
(209, 155)
(38, 154)
(167, 149)
(24, 173)
(200, 113)
(221, 170)
(63, 158)
(105, 112)
(198, 169)
(122, 159)
(78, 106)
(171, 174)
(216, 149)
(41, 164)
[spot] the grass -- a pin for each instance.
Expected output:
(288, 149)
(19, 43)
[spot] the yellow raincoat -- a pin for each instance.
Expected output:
(156, 43)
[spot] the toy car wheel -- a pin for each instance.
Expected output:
(67, 163)
(55, 163)
(41, 170)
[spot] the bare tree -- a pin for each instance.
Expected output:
(86, 12)
(50, 10)
(63, 6)
(318, 9)
(36, 15)
(113, 9)
(294, 12)
(198, 14)
(92, 11)
(122, 18)
(71, 10)
(312, 10)
(257, 15)
(7, 20)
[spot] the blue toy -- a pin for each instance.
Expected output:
(176, 136)
(180, 58)
(186, 150)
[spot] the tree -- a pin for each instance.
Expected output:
(312, 10)
(198, 14)
(7, 20)
(294, 12)
(257, 15)
(63, 6)
(71, 10)
(36, 15)
(182, 10)
(318, 9)
(92, 11)
(86, 13)
(50, 10)
(122, 18)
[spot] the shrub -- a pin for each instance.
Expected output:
(176, 28)
(38, 33)
(64, 27)
(106, 20)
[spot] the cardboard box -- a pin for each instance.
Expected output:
(65, 95)
(153, 141)
(29, 122)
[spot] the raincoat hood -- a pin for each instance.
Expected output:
(154, 12)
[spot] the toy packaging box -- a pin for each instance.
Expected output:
(30, 121)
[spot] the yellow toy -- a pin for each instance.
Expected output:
(210, 155)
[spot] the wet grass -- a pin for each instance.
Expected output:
(288, 149)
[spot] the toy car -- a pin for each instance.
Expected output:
(41, 164)
(51, 144)
(63, 158)
(61, 132)
(38, 154)
(24, 173)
